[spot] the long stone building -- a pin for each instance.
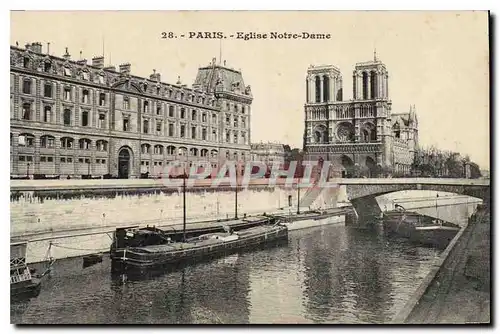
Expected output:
(72, 118)
(362, 132)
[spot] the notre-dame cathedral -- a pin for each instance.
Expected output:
(362, 133)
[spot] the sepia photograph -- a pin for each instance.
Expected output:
(250, 167)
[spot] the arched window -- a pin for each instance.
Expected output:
(318, 90)
(26, 140)
(85, 118)
(145, 126)
(365, 86)
(85, 144)
(170, 150)
(101, 145)
(67, 117)
(145, 148)
(47, 141)
(326, 88)
(67, 143)
(373, 84)
(193, 152)
(102, 99)
(26, 62)
(214, 153)
(182, 151)
(158, 149)
(204, 152)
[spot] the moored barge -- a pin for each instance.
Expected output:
(139, 251)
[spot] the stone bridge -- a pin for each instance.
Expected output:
(362, 192)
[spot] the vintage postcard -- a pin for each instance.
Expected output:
(249, 167)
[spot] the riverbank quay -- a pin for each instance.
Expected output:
(457, 289)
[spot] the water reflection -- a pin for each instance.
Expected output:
(330, 274)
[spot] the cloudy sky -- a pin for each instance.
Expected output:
(437, 61)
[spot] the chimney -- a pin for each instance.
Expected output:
(110, 68)
(67, 56)
(28, 47)
(98, 62)
(36, 47)
(82, 62)
(124, 68)
(155, 76)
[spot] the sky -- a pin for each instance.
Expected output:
(437, 61)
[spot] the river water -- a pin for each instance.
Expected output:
(328, 274)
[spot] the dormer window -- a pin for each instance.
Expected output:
(67, 71)
(101, 79)
(47, 66)
(85, 75)
(26, 62)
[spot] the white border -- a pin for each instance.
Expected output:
(188, 5)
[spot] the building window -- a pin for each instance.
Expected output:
(47, 66)
(27, 111)
(235, 108)
(228, 137)
(26, 140)
(126, 103)
(243, 138)
(85, 75)
(158, 149)
(193, 132)
(171, 111)
(26, 62)
(46, 113)
(85, 96)
(193, 115)
(182, 96)
(204, 153)
(183, 113)
(101, 79)
(170, 150)
(102, 120)
(85, 118)
(214, 118)
(158, 90)
(67, 71)
(85, 144)
(214, 153)
(27, 86)
(193, 152)
(125, 124)
(171, 130)
(235, 122)
(67, 143)
(228, 120)
(214, 135)
(243, 123)
(145, 148)
(67, 117)
(183, 131)
(102, 99)
(182, 151)
(158, 127)
(101, 145)
(235, 138)
(204, 134)
(67, 93)
(145, 106)
(145, 126)
(47, 90)
(158, 108)
(204, 117)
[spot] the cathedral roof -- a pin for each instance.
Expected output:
(219, 77)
